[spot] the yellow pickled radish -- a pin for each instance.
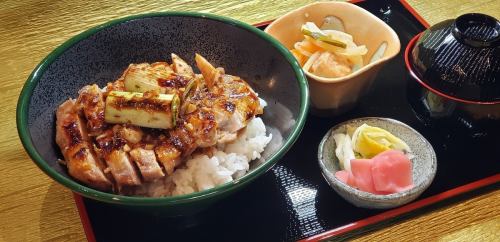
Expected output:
(368, 147)
(370, 141)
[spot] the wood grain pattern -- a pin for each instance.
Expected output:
(34, 208)
(477, 219)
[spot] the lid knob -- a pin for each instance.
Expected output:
(477, 30)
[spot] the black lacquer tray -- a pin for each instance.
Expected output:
(292, 201)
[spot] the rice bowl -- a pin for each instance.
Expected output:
(61, 74)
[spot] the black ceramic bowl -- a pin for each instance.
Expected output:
(456, 65)
(101, 54)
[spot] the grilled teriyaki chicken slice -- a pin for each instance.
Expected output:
(76, 147)
(213, 107)
(113, 148)
(233, 102)
(91, 101)
(147, 164)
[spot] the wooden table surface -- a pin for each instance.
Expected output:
(35, 208)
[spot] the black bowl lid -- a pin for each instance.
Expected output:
(461, 58)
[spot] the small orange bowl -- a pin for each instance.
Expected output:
(331, 96)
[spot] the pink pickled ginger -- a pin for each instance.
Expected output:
(361, 172)
(387, 172)
(391, 172)
(342, 175)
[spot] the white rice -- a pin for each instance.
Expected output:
(227, 163)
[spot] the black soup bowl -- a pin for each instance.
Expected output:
(455, 65)
(99, 55)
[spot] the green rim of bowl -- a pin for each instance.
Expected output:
(31, 82)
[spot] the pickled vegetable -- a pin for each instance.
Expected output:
(328, 53)
(370, 141)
